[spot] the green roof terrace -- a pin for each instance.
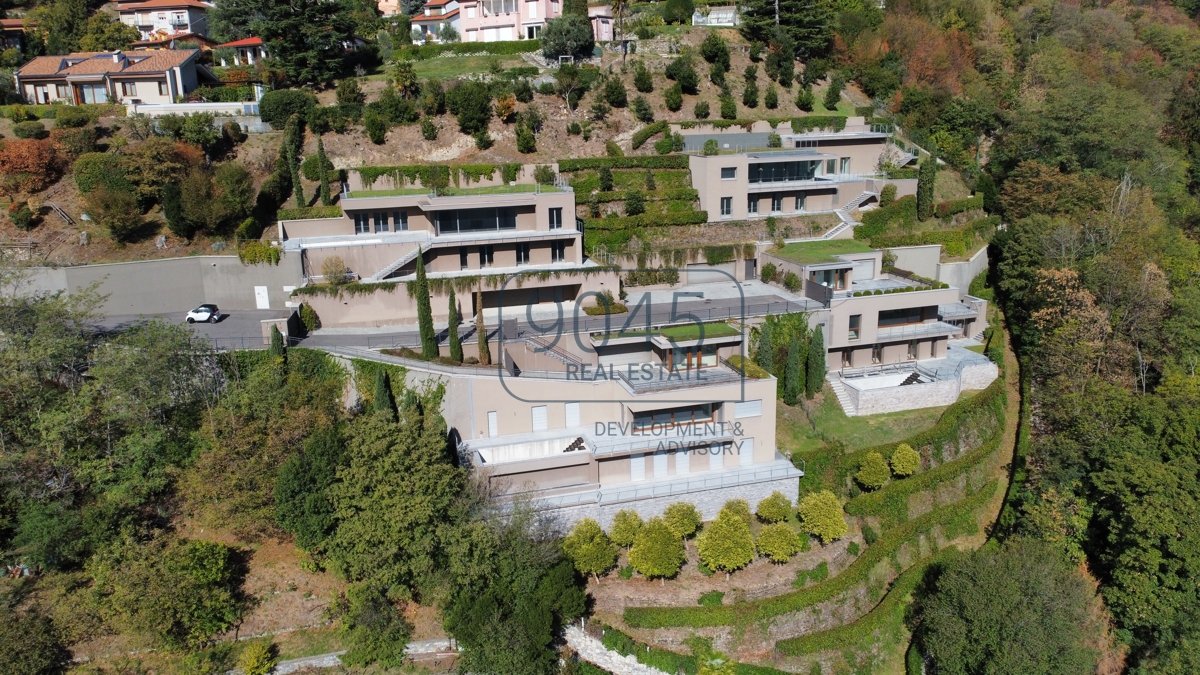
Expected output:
(456, 191)
(819, 252)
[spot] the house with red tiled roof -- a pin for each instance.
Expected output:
(244, 52)
(136, 76)
(12, 33)
(435, 17)
(158, 20)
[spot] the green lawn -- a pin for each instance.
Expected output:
(815, 252)
(458, 191)
(449, 67)
(683, 332)
(798, 431)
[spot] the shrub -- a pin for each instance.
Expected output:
(805, 100)
(544, 175)
(470, 102)
(873, 473)
(887, 195)
(311, 167)
(334, 271)
(642, 80)
(821, 515)
(728, 108)
(791, 282)
(778, 542)
(774, 140)
(774, 509)
(656, 551)
(429, 130)
(714, 49)
(30, 130)
(625, 526)
(95, 169)
(588, 163)
(606, 179)
(635, 203)
(869, 534)
(258, 658)
(683, 72)
(669, 143)
(308, 317)
(612, 150)
(21, 216)
(642, 111)
(375, 127)
(72, 117)
(526, 141)
(568, 35)
(739, 508)
(591, 551)
(726, 544)
(750, 94)
(278, 105)
(769, 272)
(905, 460)
(682, 518)
(833, 94)
(614, 93)
(678, 11)
(673, 97)
(771, 99)
(645, 133)
(257, 252)
(710, 147)
(701, 110)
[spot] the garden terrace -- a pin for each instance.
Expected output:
(679, 333)
(819, 252)
(520, 188)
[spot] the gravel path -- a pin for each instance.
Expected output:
(593, 651)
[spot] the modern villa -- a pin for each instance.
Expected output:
(476, 234)
(812, 172)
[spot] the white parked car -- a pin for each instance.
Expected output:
(208, 313)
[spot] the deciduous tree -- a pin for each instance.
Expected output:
(778, 542)
(726, 544)
(682, 518)
(590, 549)
(625, 527)
(775, 508)
(821, 516)
(656, 552)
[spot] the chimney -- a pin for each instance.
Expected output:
(117, 56)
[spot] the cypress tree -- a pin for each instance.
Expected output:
(456, 353)
(815, 369)
(277, 343)
(322, 162)
(429, 347)
(925, 179)
(485, 352)
(765, 356)
(381, 400)
(793, 374)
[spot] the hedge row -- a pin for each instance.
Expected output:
(891, 501)
(949, 208)
(876, 221)
(957, 242)
(648, 220)
(48, 111)
(647, 132)
(430, 174)
(305, 212)
(647, 162)
(671, 195)
(668, 661)
(815, 122)
(794, 601)
(503, 48)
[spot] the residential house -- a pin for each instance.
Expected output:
(12, 34)
(158, 20)
(435, 17)
(812, 172)
(244, 52)
(137, 76)
(497, 20)
(517, 241)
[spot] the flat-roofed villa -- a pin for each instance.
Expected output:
(887, 329)
(591, 424)
(814, 171)
(476, 234)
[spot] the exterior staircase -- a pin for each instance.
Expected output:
(845, 214)
(392, 267)
(839, 390)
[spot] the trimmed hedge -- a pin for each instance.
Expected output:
(667, 661)
(814, 122)
(858, 572)
(647, 132)
(305, 212)
(875, 222)
(949, 208)
(50, 110)
(647, 162)
(648, 220)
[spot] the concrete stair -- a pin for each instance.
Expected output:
(839, 390)
(400, 262)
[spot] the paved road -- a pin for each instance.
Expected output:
(235, 330)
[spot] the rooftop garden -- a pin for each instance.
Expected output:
(817, 252)
(458, 191)
(680, 333)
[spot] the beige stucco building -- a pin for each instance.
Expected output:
(136, 76)
(517, 242)
(812, 172)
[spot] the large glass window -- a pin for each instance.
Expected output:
(400, 219)
(673, 416)
(462, 258)
(476, 220)
(558, 251)
(522, 254)
(901, 317)
(487, 255)
(362, 223)
(855, 325)
(776, 203)
(381, 221)
(726, 206)
(775, 172)
(752, 204)
(556, 218)
(728, 172)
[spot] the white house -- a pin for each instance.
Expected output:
(159, 20)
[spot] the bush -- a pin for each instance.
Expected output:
(728, 108)
(613, 150)
(905, 460)
(635, 204)
(96, 169)
(21, 216)
(429, 130)
(833, 94)
(471, 104)
(710, 147)
(683, 519)
(596, 163)
(311, 167)
(668, 144)
(645, 133)
(873, 473)
(870, 536)
(805, 100)
(568, 35)
(334, 271)
(673, 97)
(683, 72)
(605, 178)
(30, 130)
(642, 80)
(625, 526)
(375, 127)
(258, 658)
(308, 317)
(678, 11)
(701, 110)
(953, 207)
(544, 175)
(775, 508)
(278, 105)
(821, 516)
(726, 544)
(887, 195)
(72, 117)
(642, 111)
(656, 551)
(778, 542)
(791, 281)
(771, 99)
(614, 93)
(768, 272)
(714, 49)
(774, 140)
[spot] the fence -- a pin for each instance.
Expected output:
(221, 109)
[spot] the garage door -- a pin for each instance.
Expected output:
(864, 269)
(702, 273)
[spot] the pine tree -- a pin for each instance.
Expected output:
(808, 24)
(381, 396)
(456, 353)
(485, 352)
(793, 374)
(429, 348)
(323, 163)
(815, 368)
